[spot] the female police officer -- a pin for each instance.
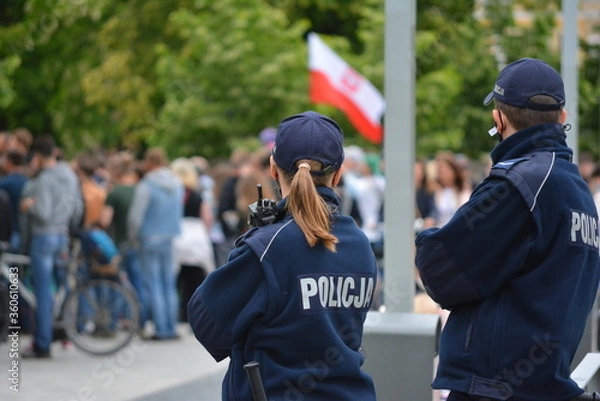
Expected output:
(294, 294)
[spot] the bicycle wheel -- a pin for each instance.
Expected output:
(100, 317)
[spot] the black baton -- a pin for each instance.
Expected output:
(256, 384)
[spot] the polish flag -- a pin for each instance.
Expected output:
(334, 82)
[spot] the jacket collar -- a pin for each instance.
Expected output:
(539, 138)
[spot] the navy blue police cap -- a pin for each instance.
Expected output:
(525, 78)
(311, 136)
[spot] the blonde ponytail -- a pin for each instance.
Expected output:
(310, 211)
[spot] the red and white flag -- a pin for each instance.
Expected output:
(334, 82)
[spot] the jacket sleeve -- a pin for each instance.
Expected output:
(77, 209)
(135, 215)
(43, 207)
(228, 302)
(487, 242)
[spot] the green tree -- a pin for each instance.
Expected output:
(8, 66)
(201, 76)
(589, 100)
(455, 71)
(237, 71)
(51, 42)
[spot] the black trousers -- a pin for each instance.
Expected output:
(190, 278)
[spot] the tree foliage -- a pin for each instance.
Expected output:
(234, 73)
(201, 76)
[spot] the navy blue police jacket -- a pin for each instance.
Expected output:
(298, 311)
(518, 267)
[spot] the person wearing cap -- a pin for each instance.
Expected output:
(294, 294)
(267, 137)
(517, 265)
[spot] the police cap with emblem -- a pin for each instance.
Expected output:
(311, 136)
(525, 78)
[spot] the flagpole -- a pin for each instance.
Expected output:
(568, 69)
(400, 344)
(399, 154)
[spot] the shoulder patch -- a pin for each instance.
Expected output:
(508, 164)
(527, 174)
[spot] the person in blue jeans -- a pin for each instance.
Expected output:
(52, 203)
(114, 219)
(13, 183)
(154, 220)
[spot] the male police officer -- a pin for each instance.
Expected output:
(518, 264)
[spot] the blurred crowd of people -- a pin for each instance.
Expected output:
(175, 221)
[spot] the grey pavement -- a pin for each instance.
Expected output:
(143, 371)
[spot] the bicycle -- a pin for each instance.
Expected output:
(98, 314)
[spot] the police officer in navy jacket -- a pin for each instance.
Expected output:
(294, 295)
(517, 265)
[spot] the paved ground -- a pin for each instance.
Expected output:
(144, 371)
